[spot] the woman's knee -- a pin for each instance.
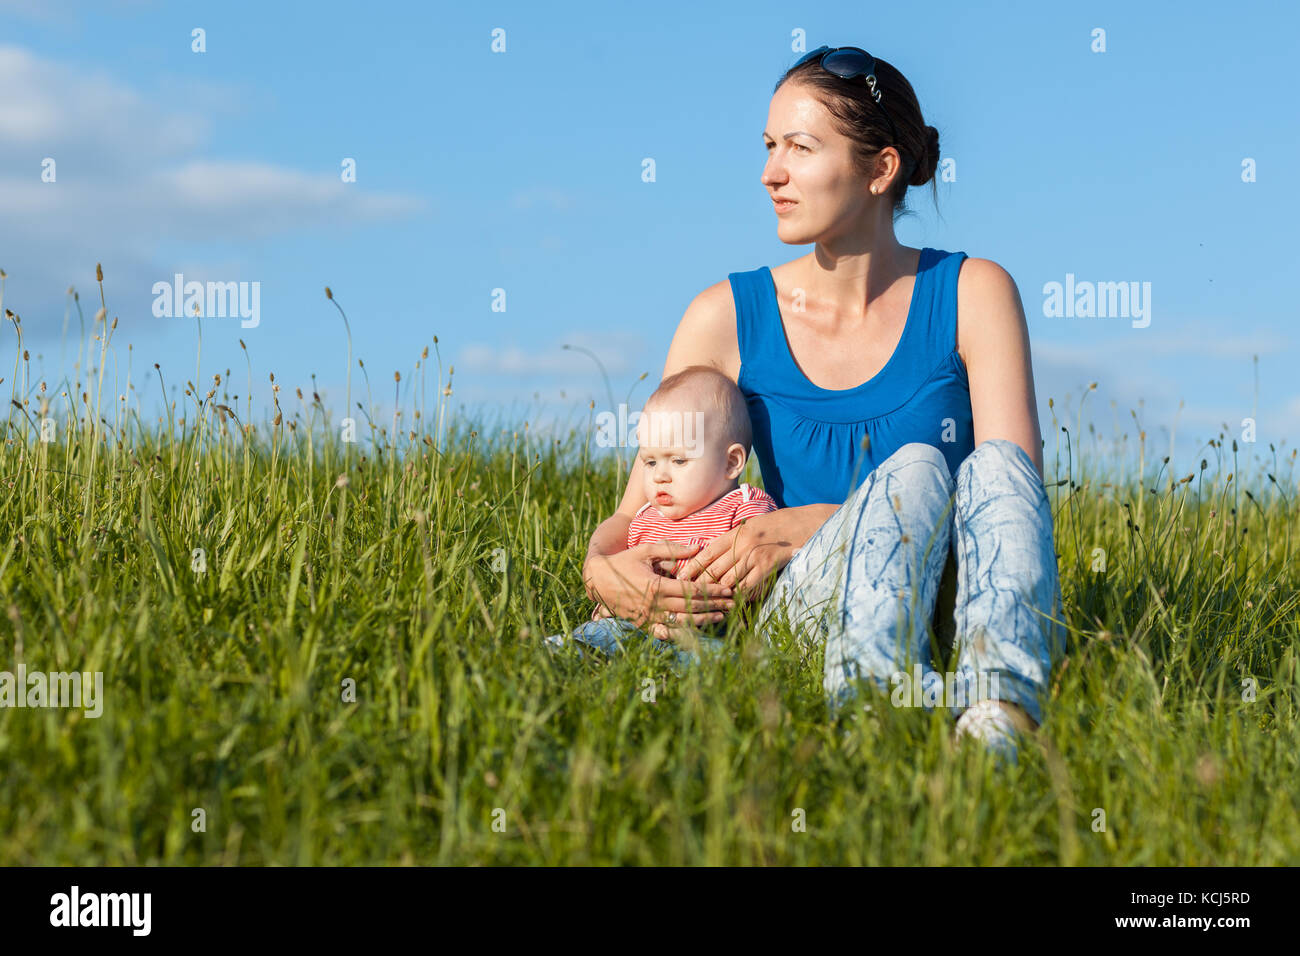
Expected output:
(1002, 456)
(925, 468)
(1001, 471)
(916, 452)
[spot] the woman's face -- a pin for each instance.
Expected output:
(811, 164)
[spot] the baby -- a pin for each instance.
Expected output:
(693, 440)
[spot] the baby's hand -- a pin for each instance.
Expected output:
(664, 567)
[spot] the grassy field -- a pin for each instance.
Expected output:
(350, 671)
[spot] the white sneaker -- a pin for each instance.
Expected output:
(988, 723)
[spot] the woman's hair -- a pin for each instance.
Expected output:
(857, 115)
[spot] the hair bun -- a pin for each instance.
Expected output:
(927, 163)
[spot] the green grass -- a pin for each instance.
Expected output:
(224, 689)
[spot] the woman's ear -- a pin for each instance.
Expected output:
(887, 161)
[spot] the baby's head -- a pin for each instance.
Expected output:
(693, 436)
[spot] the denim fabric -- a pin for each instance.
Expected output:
(613, 635)
(865, 583)
(889, 543)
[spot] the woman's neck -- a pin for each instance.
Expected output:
(849, 280)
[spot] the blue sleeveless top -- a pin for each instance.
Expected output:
(808, 439)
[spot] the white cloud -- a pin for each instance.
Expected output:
(1208, 339)
(39, 11)
(553, 359)
(131, 174)
(52, 107)
(258, 198)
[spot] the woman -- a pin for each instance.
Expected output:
(892, 400)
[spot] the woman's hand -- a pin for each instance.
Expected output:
(666, 633)
(744, 557)
(626, 585)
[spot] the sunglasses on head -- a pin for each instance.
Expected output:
(849, 63)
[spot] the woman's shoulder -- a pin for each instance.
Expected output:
(980, 282)
(988, 304)
(784, 275)
(981, 274)
(718, 303)
(706, 334)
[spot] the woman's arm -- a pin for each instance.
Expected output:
(743, 557)
(623, 579)
(746, 557)
(993, 340)
(610, 537)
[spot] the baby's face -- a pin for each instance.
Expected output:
(685, 468)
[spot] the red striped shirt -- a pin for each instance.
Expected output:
(703, 526)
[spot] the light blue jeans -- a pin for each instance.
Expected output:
(614, 635)
(867, 581)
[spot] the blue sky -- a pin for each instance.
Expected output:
(522, 171)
